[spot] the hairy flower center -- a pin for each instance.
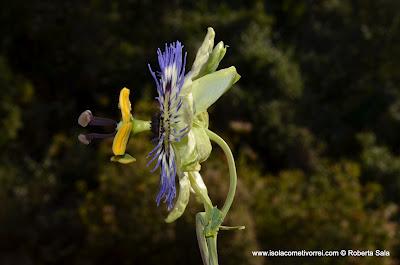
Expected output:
(155, 125)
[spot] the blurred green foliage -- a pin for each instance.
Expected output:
(313, 124)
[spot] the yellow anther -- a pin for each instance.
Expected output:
(125, 104)
(121, 138)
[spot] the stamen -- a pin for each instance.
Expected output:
(86, 138)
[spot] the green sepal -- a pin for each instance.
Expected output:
(195, 147)
(182, 200)
(203, 143)
(201, 120)
(210, 88)
(186, 154)
(123, 159)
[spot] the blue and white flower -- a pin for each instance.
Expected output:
(180, 127)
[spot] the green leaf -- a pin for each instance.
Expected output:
(209, 88)
(183, 199)
(215, 220)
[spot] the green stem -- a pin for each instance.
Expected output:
(207, 245)
(232, 171)
(212, 249)
(201, 239)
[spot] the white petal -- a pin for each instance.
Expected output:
(183, 199)
(199, 187)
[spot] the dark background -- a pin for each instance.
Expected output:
(313, 123)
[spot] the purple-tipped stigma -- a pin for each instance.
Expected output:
(86, 118)
(86, 138)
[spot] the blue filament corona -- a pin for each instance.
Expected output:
(169, 81)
